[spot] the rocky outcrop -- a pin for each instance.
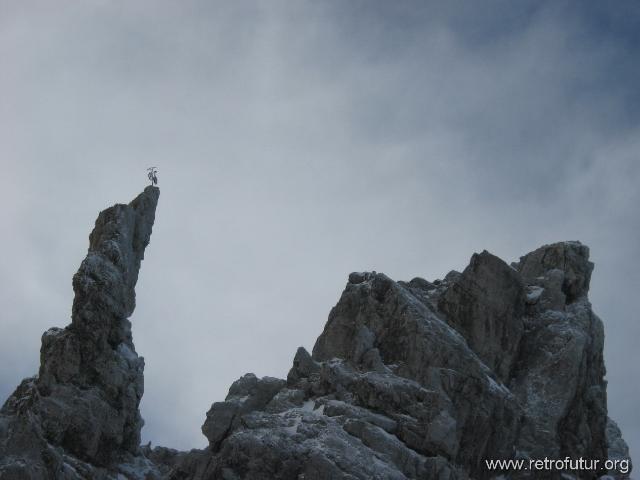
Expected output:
(429, 380)
(486, 305)
(79, 418)
(560, 376)
(408, 380)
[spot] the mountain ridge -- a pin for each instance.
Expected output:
(413, 379)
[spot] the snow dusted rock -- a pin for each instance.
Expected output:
(246, 395)
(79, 417)
(618, 449)
(569, 259)
(408, 380)
(560, 379)
(428, 380)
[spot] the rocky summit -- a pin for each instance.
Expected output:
(408, 380)
(79, 418)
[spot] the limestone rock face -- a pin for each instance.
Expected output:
(560, 379)
(486, 305)
(568, 260)
(79, 417)
(427, 380)
(408, 380)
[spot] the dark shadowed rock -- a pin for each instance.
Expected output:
(569, 259)
(247, 394)
(80, 414)
(486, 305)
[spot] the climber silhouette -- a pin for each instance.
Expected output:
(152, 175)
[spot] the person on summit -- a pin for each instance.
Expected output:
(152, 175)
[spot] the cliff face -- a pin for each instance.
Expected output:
(416, 379)
(428, 380)
(79, 417)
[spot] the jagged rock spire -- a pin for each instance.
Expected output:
(105, 282)
(81, 411)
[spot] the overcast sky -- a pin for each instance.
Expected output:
(299, 141)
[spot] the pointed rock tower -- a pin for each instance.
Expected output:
(79, 417)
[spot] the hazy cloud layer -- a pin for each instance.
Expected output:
(297, 142)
